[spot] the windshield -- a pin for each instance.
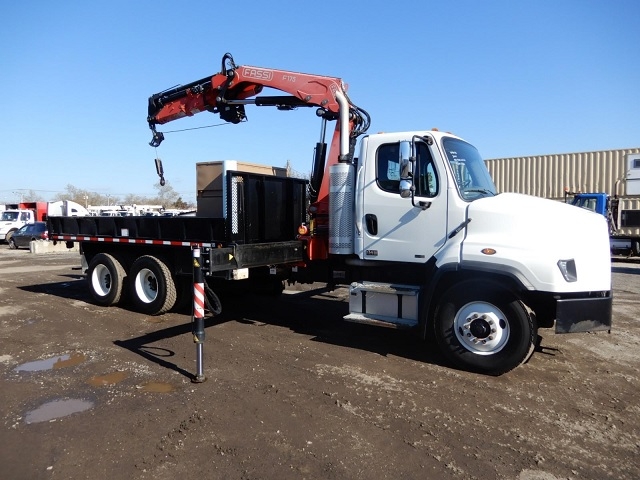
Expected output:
(469, 170)
(9, 216)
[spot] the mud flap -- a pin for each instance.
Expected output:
(584, 314)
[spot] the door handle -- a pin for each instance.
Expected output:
(372, 223)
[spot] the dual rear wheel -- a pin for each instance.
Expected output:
(106, 279)
(149, 283)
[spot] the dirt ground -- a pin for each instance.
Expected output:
(293, 392)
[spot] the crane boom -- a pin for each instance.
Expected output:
(227, 92)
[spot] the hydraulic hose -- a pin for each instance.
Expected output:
(212, 301)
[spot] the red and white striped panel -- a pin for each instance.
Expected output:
(198, 300)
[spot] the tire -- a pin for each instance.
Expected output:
(106, 279)
(12, 244)
(152, 288)
(9, 235)
(482, 327)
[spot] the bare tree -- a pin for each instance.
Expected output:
(167, 196)
(29, 195)
(77, 195)
(133, 199)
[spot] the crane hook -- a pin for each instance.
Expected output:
(160, 171)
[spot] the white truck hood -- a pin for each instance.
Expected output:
(530, 235)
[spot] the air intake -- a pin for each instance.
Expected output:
(341, 209)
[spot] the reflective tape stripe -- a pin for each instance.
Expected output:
(144, 241)
(198, 300)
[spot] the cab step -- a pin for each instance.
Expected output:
(380, 321)
(384, 304)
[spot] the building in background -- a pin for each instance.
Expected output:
(614, 172)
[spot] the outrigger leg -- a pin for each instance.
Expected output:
(198, 315)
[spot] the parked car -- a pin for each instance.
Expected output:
(27, 233)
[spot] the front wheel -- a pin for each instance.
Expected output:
(12, 244)
(9, 235)
(482, 327)
(153, 290)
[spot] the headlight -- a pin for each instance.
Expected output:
(568, 270)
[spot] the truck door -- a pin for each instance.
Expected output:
(391, 227)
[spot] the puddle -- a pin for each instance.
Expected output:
(156, 319)
(57, 409)
(108, 379)
(157, 387)
(60, 361)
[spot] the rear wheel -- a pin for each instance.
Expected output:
(106, 278)
(153, 290)
(482, 327)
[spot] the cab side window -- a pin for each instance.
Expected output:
(388, 167)
(424, 176)
(388, 170)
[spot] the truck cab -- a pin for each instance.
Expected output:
(596, 202)
(437, 203)
(11, 220)
(437, 249)
(444, 181)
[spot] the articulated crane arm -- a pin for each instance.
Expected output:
(227, 92)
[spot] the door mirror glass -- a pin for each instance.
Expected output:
(406, 169)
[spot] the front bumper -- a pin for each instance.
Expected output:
(575, 315)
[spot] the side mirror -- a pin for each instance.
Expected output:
(406, 170)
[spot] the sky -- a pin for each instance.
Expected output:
(514, 78)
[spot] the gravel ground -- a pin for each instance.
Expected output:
(294, 392)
